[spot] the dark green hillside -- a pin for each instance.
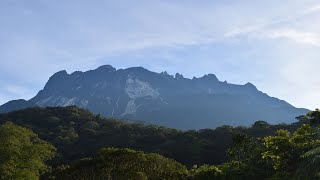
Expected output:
(126, 164)
(92, 147)
(77, 133)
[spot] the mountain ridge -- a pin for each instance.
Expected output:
(160, 98)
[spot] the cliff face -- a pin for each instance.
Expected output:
(173, 101)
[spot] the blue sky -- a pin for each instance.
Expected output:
(274, 44)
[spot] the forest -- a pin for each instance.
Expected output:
(73, 143)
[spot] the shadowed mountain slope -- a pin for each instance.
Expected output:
(160, 98)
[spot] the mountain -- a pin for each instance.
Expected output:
(16, 105)
(159, 98)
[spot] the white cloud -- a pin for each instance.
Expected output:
(299, 37)
(13, 91)
(76, 35)
(312, 9)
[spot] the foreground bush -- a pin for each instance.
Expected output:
(114, 163)
(22, 153)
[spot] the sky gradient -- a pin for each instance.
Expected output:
(272, 44)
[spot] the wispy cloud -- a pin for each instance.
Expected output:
(299, 37)
(281, 28)
(313, 9)
(239, 40)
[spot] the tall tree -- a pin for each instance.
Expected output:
(22, 153)
(285, 150)
(114, 163)
(309, 168)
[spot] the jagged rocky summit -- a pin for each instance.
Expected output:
(174, 101)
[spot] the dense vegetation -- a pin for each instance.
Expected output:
(112, 163)
(22, 153)
(92, 147)
(77, 133)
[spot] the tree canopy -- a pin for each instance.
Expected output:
(94, 147)
(22, 153)
(114, 163)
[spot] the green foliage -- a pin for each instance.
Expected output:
(205, 172)
(233, 170)
(284, 150)
(113, 163)
(236, 170)
(261, 124)
(22, 153)
(262, 151)
(243, 148)
(309, 168)
(53, 120)
(314, 116)
(77, 134)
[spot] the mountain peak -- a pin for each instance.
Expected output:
(60, 73)
(164, 73)
(15, 105)
(139, 68)
(210, 77)
(140, 71)
(179, 76)
(174, 101)
(107, 68)
(250, 85)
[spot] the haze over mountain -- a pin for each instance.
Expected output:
(174, 101)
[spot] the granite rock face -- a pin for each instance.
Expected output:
(174, 101)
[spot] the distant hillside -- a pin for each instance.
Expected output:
(159, 98)
(77, 133)
(16, 105)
